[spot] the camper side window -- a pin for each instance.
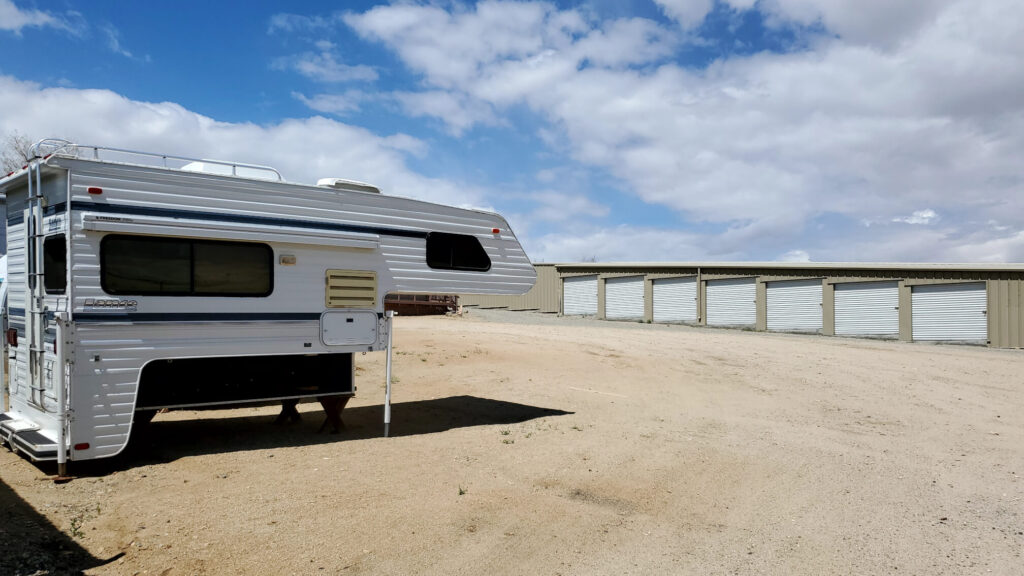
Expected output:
(456, 252)
(55, 264)
(143, 265)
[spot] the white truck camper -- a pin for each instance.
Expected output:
(141, 281)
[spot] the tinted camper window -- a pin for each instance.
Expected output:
(55, 264)
(456, 252)
(141, 265)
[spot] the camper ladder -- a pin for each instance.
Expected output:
(35, 310)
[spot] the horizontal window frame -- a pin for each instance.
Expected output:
(191, 292)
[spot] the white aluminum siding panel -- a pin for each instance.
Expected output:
(950, 312)
(867, 309)
(130, 192)
(580, 296)
(794, 306)
(732, 302)
(624, 298)
(675, 300)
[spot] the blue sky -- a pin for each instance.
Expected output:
(662, 130)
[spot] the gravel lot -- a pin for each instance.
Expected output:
(530, 444)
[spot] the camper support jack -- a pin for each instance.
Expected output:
(388, 316)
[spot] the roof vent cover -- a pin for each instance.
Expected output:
(342, 184)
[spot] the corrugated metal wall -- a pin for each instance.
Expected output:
(1006, 312)
(543, 297)
(1005, 293)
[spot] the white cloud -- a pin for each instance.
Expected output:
(795, 256)
(15, 19)
(619, 244)
(557, 206)
(289, 23)
(339, 104)
(881, 23)
(113, 36)
(304, 150)
(324, 67)
(458, 111)
(920, 108)
(924, 217)
(688, 13)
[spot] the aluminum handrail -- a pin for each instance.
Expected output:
(66, 148)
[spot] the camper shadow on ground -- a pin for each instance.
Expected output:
(30, 544)
(166, 441)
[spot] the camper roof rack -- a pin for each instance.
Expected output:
(52, 146)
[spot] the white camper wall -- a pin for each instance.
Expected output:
(388, 237)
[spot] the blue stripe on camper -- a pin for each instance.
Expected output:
(244, 219)
(195, 316)
(19, 217)
(20, 313)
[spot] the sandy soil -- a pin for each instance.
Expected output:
(526, 444)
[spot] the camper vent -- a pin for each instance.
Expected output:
(342, 184)
(351, 289)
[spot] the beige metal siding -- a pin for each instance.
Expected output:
(543, 297)
(828, 310)
(1006, 312)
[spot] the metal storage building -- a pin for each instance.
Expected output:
(965, 303)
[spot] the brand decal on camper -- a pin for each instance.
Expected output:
(55, 224)
(92, 304)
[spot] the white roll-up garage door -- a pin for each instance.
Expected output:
(624, 298)
(868, 309)
(579, 295)
(732, 302)
(794, 305)
(675, 300)
(950, 312)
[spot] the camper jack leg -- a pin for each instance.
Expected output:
(389, 316)
(333, 405)
(288, 412)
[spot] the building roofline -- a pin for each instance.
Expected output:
(915, 266)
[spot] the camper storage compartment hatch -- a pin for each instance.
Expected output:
(348, 327)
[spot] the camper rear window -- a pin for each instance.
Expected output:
(55, 264)
(456, 252)
(141, 265)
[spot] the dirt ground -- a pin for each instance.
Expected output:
(528, 444)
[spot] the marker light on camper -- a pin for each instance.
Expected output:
(495, 230)
(82, 446)
(94, 190)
